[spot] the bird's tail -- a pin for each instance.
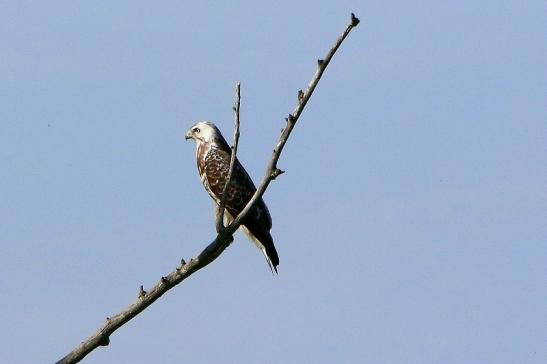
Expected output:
(265, 243)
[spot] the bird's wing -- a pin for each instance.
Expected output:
(241, 189)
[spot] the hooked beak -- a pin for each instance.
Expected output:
(188, 135)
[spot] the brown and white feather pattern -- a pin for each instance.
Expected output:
(213, 162)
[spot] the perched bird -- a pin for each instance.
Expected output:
(213, 160)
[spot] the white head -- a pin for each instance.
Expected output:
(203, 132)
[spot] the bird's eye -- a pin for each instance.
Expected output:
(196, 130)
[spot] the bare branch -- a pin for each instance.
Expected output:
(221, 207)
(223, 238)
(146, 298)
(272, 171)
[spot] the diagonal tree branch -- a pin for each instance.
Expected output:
(224, 237)
(272, 172)
(222, 206)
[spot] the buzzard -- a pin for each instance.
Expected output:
(213, 160)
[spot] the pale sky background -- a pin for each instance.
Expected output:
(411, 223)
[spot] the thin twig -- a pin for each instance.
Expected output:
(222, 205)
(222, 240)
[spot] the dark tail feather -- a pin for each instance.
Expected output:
(265, 239)
(271, 252)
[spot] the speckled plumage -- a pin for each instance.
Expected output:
(213, 162)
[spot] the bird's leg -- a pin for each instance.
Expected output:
(227, 217)
(219, 225)
(217, 213)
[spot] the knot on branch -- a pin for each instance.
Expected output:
(182, 264)
(142, 292)
(228, 239)
(300, 96)
(225, 237)
(104, 341)
(276, 172)
(320, 62)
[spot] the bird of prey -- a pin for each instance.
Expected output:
(213, 161)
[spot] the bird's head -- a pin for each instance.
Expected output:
(203, 132)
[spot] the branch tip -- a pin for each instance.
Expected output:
(354, 20)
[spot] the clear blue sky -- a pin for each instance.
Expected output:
(411, 222)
